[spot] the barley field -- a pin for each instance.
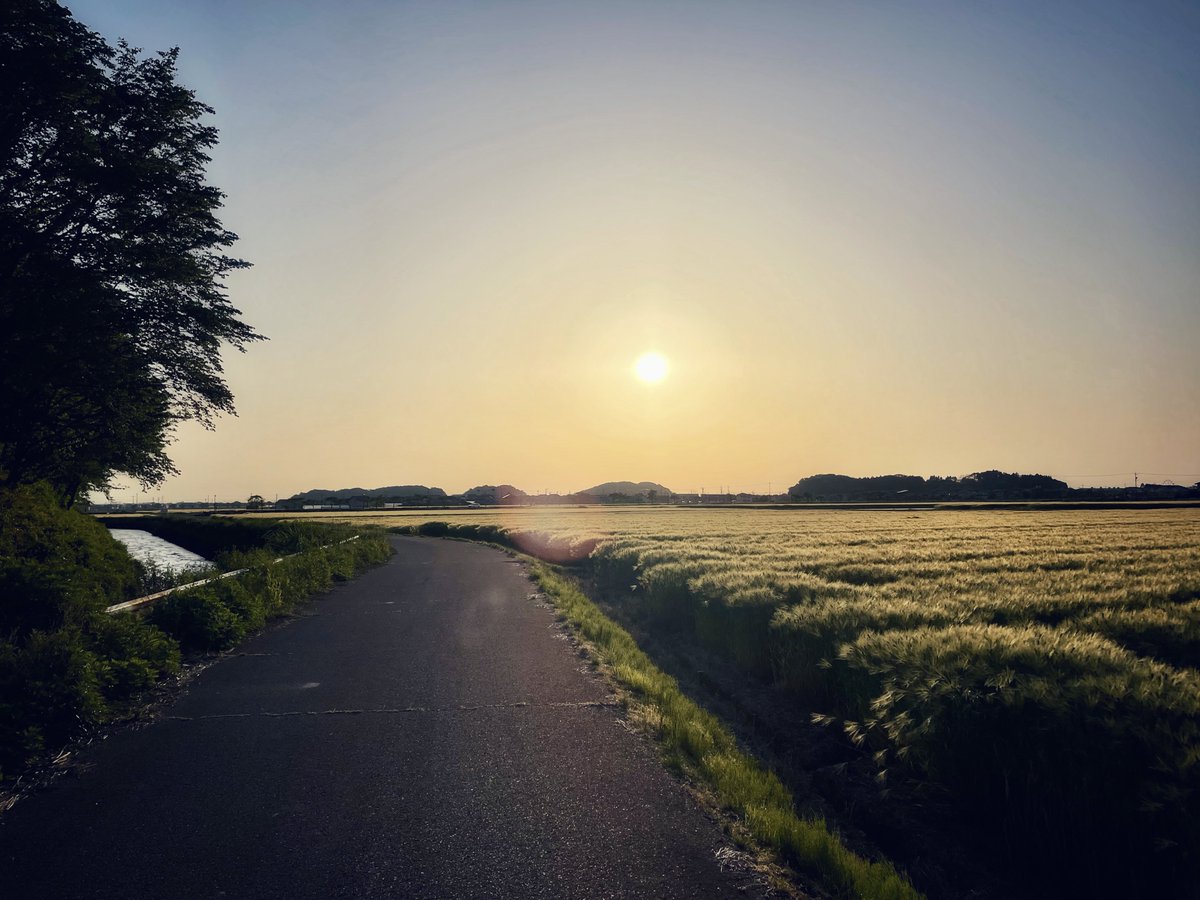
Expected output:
(1113, 572)
(1039, 665)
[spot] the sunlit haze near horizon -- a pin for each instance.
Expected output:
(928, 238)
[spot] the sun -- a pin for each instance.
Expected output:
(651, 367)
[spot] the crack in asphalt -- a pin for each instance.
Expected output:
(520, 704)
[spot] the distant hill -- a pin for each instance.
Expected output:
(628, 489)
(491, 494)
(394, 492)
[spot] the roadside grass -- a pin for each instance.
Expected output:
(215, 616)
(695, 740)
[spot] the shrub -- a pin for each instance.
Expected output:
(237, 595)
(48, 690)
(288, 536)
(57, 566)
(63, 661)
(153, 578)
(198, 619)
(131, 655)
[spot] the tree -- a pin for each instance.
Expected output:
(255, 501)
(113, 309)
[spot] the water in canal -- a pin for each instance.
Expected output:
(147, 548)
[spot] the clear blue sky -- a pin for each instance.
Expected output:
(918, 237)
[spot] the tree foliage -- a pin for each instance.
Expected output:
(989, 485)
(113, 308)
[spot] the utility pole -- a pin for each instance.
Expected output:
(1135, 479)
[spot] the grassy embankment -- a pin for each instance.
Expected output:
(66, 665)
(1038, 668)
(697, 743)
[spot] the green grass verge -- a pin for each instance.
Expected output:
(702, 746)
(215, 616)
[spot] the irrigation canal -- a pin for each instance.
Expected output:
(148, 548)
(422, 731)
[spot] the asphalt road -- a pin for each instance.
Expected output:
(423, 731)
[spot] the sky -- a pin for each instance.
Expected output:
(868, 238)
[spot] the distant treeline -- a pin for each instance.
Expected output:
(986, 486)
(979, 486)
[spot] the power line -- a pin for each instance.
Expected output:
(1156, 474)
